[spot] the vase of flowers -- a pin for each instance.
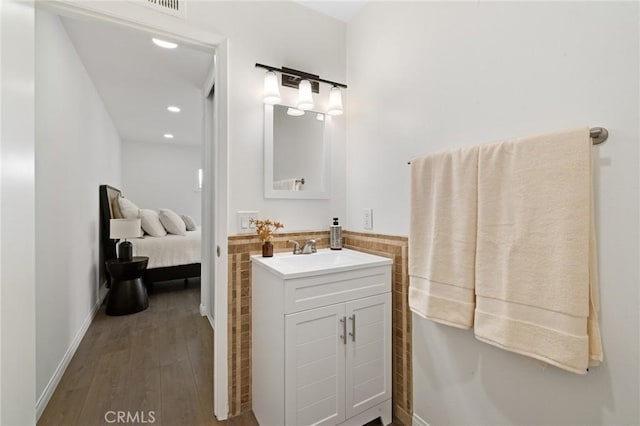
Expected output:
(265, 229)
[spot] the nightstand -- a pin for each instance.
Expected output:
(128, 294)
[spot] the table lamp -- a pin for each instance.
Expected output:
(123, 229)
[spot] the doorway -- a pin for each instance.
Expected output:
(214, 184)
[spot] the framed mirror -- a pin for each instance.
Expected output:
(296, 153)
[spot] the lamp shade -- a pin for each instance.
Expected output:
(335, 101)
(124, 228)
(305, 98)
(271, 88)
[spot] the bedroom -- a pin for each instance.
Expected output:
(110, 88)
(153, 95)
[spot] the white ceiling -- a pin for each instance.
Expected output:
(342, 10)
(137, 80)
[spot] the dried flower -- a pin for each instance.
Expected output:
(265, 228)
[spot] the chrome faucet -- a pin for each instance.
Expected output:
(308, 248)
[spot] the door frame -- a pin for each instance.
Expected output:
(146, 19)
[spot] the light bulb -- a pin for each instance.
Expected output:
(335, 101)
(271, 88)
(305, 98)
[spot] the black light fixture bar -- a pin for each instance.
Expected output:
(303, 75)
(292, 78)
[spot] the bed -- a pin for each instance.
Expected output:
(170, 258)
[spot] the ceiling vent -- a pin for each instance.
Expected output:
(172, 7)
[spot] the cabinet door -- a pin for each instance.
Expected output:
(314, 366)
(368, 371)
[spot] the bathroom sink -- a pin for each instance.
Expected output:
(287, 265)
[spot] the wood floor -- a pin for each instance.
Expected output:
(159, 360)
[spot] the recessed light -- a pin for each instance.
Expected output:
(173, 108)
(168, 136)
(163, 43)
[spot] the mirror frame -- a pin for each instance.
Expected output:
(269, 192)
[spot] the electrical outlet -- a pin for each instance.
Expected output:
(367, 218)
(243, 218)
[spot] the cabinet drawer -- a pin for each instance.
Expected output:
(317, 291)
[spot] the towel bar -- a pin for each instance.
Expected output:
(597, 134)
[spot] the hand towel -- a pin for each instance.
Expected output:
(536, 282)
(292, 184)
(442, 236)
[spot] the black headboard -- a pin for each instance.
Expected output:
(108, 195)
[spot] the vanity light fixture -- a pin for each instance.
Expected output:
(306, 83)
(173, 108)
(163, 43)
(271, 88)
(168, 136)
(295, 112)
(305, 98)
(335, 101)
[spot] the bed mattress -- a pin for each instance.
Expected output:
(170, 250)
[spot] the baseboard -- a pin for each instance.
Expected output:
(203, 310)
(46, 395)
(419, 421)
(212, 322)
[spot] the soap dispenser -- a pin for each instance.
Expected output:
(335, 242)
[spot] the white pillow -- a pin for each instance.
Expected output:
(151, 223)
(189, 223)
(172, 222)
(128, 210)
(115, 208)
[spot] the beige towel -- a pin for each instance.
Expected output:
(536, 288)
(293, 184)
(442, 236)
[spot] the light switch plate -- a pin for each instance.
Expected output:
(367, 218)
(243, 218)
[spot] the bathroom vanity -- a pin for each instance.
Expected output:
(321, 330)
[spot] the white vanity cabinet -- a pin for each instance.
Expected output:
(322, 344)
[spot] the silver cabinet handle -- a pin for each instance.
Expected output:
(353, 327)
(343, 320)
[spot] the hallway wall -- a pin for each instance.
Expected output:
(77, 149)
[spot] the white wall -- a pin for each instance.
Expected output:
(278, 34)
(162, 175)
(429, 76)
(77, 149)
(17, 223)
